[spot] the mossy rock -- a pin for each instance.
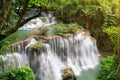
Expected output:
(68, 74)
(36, 45)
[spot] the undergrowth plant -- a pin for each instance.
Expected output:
(112, 32)
(62, 29)
(108, 68)
(23, 73)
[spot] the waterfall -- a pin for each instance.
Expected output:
(39, 22)
(78, 51)
(13, 60)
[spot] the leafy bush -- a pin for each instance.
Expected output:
(5, 45)
(62, 29)
(74, 27)
(108, 68)
(113, 35)
(23, 73)
(111, 21)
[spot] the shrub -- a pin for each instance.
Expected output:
(113, 35)
(23, 73)
(74, 27)
(5, 47)
(108, 68)
(5, 44)
(62, 29)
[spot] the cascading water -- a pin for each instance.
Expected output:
(39, 22)
(77, 51)
(13, 60)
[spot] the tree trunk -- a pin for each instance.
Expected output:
(20, 22)
(118, 48)
(118, 55)
(119, 12)
(118, 41)
(14, 29)
(4, 13)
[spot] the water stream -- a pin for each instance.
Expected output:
(78, 51)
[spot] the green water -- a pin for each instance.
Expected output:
(89, 74)
(52, 30)
(20, 34)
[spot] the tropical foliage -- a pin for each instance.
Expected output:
(113, 35)
(108, 69)
(62, 29)
(23, 73)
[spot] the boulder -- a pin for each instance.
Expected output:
(68, 74)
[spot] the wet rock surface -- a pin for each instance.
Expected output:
(68, 74)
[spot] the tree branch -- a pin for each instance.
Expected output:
(14, 29)
(5, 10)
(20, 22)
